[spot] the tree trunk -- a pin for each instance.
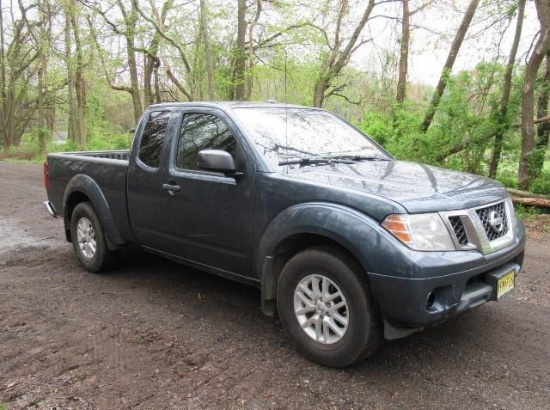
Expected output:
(132, 64)
(525, 170)
(207, 50)
(448, 67)
(404, 54)
(40, 103)
(72, 128)
(3, 85)
(503, 122)
(44, 45)
(250, 59)
(540, 202)
(80, 86)
(151, 91)
(543, 130)
(151, 64)
(321, 87)
(240, 52)
(130, 21)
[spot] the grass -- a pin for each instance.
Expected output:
(23, 153)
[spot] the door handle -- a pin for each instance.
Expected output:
(171, 188)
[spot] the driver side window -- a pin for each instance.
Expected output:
(199, 132)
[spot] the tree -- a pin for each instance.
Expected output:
(340, 52)
(404, 53)
(207, 49)
(449, 63)
(75, 75)
(240, 52)
(127, 30)
(543, 130)
(503, 123)
(42, 37)
(173, 40)
(542, 47)
(151, 91)
(18, 69)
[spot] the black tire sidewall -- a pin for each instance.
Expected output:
(360, 338)
(98, 262)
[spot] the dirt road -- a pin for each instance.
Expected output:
(156, 335)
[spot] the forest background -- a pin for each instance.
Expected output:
(87, 69)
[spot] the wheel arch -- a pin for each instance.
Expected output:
(305, 226)
(82, 188)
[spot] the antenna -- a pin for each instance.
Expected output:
(286, 101)
(286, 110)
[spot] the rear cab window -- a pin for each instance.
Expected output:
(153, 138)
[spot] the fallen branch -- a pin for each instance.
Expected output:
(545, 203)
(525, 194)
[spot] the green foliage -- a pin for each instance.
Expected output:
(98, 141)
(463, 130)
(528, 212)
(102, 132)
(541, 185)
(397, 131)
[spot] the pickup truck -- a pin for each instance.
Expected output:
(348, 245)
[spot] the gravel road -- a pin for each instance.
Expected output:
(157, 335)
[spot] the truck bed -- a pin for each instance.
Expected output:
(122, 155)
(106, 169)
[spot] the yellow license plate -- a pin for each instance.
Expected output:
(505, 284)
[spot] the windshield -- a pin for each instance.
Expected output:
(284, 134)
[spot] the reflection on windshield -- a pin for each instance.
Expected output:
(297, 133)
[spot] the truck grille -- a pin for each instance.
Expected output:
(488, 228)
(494, 220)
(458, 228)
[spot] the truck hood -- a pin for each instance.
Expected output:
(417, 187)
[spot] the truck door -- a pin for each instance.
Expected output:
(206, 216)
(145, 177)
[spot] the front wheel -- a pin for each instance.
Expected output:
(89, 240)
(325, 307)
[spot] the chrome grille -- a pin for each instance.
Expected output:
(458, 228)
(494, 220)
(488, 228)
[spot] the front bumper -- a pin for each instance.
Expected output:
(467, 279)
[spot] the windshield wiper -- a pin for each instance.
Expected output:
(336, 159)
(359, 157)
(314, 161)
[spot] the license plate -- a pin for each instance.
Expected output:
(505, 284)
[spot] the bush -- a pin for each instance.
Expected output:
(100, 141)
(541, 185)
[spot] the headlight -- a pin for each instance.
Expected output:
(422, 232)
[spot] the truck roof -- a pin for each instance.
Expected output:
(227, 104)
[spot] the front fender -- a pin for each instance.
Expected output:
(85, 185)
(341, 224)
(344, 225)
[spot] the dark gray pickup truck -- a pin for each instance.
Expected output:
(349, 245)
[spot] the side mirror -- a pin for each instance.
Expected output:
(217, 160)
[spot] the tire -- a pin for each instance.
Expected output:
(325, 306)
(89, 240)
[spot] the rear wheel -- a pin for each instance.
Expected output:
(89, 240)
(325, 306)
